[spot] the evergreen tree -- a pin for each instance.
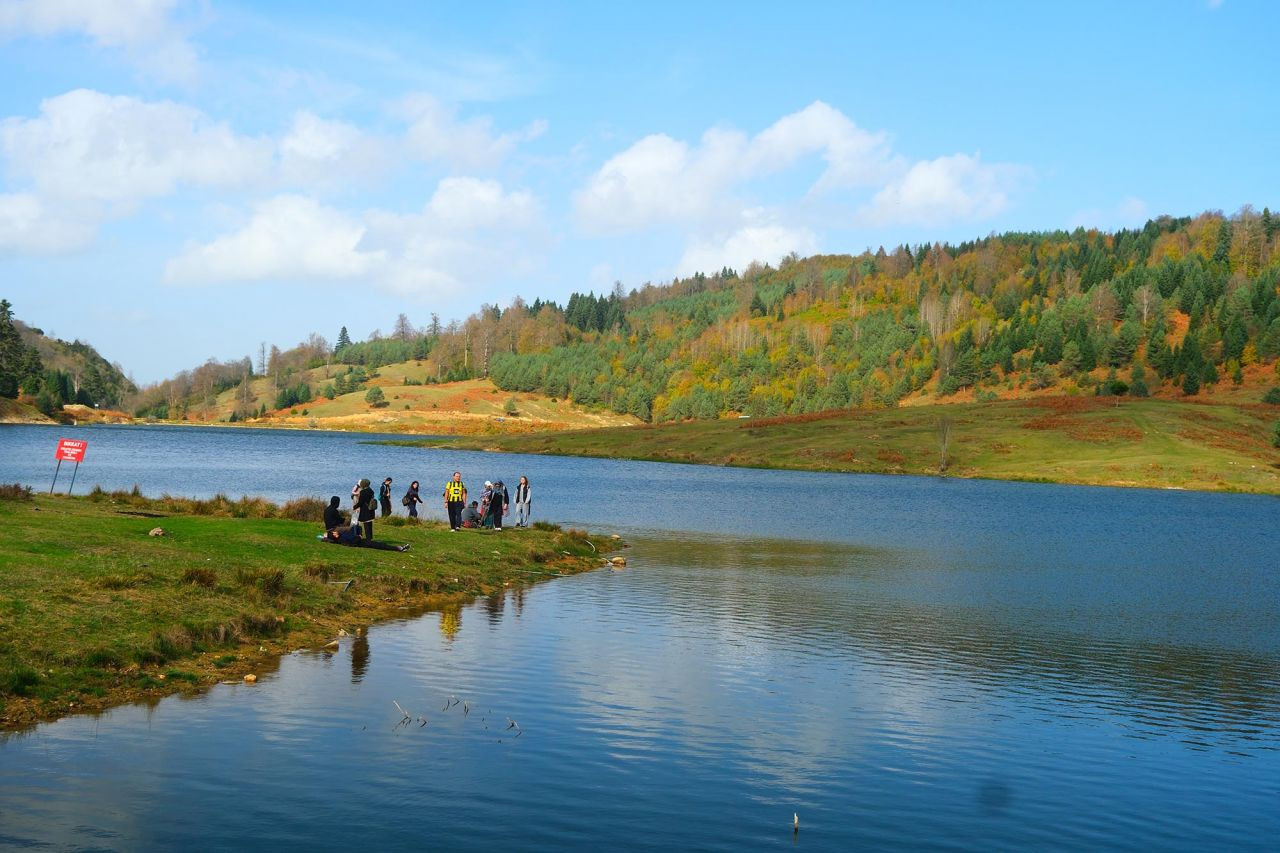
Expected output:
(344, 341)
(20, 366)
(1138, 381)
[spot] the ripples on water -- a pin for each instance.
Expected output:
(940, 668)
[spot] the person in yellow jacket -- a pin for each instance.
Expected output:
(455, 498)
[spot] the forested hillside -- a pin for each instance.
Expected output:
(1171, 308)
(1175, 309)
(50, 373)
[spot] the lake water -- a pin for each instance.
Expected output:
(902, 662)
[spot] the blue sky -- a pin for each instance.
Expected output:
(181, 181)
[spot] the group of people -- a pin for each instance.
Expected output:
(495, 502)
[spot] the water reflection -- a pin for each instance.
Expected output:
(450, 621)
(359, 657)
(894, 609)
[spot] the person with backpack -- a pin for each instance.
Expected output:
(411, 499)
(368, 504)
(384, 497)
(455, 498)
(524, 502)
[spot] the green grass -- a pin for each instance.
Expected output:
(93, 610)
(1085, 440)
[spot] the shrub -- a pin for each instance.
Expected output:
(18, 682)
(268, 581)
(1272, 396)
(15, 492)
(304, 509)
(200, 576)
(1275, 435)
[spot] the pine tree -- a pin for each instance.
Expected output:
(344, 340)
(1138, 381)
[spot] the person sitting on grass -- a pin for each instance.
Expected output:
(471, 516)
(338, 532)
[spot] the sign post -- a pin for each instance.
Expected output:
(69, 450)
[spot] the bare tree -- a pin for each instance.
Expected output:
(943, 432)
(404, 329)
(1147, 299)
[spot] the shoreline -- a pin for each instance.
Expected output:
(157, 616)
(1146, 444)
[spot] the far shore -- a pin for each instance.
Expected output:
(1093, 441)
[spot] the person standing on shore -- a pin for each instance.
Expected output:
(524, 502)
(368, 506)
(455, 498)
(411, 499)
(384, 497)
(500, 501)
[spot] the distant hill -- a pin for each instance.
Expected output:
(48, 373)
(1180, 308)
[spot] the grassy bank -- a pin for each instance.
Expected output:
(94, 611)
(1084, 440)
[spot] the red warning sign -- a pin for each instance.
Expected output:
(71, 450)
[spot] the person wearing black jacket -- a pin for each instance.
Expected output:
(384, 497)
(333, 515)
(411, 499)
(368, 505)
(498, 504)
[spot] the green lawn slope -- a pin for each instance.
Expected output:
(1085, 440)
(94, 611)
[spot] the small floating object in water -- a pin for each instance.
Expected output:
(795, 821)
(619, 562)
(250, 678)
(332, 644)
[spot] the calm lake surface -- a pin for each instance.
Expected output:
(904, 662)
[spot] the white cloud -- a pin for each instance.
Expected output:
(323, 152)
(949, 189)
(764, 242)
(27, 226)
(88, 146)
(288, 237)
(437, 134)
(89, 157)
(709, 186)
(660, 179)
(469, 232)
(144, 30)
